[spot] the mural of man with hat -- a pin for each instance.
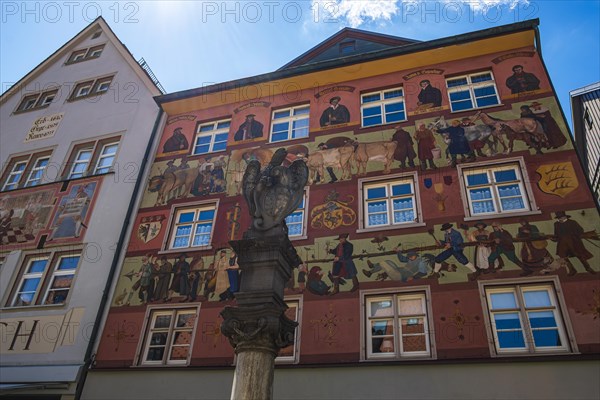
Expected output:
(521, 81)
(343, 266)
(504, 245)
(249, 129)
(335, 114)
(458, 142)
(568, 233)
(452, 243)
(176, 142)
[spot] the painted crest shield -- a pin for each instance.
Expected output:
(149, 228)
(558, 179)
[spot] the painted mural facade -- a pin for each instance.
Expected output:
(418, 205)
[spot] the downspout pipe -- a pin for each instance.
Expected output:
(115, 261)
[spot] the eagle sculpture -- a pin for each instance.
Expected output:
(273, 193)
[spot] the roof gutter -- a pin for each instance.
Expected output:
(350, 60)
(115, 262)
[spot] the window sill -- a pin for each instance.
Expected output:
(142, 366)
(293, 238)
(33, 307)
(539, 354)
(87, 96)
(476, 108)
(396, 359)
(185, 249)
(81, 60)
(390, 227)
(502, 215)
(31, 109)
(290, 140)
(391, 124)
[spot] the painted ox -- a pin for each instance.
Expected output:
(374, 151)
(339, 157)
(526, 129)
(171, 182)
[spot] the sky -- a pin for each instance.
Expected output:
(190, 44)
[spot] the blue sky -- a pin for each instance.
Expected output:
(194, 43)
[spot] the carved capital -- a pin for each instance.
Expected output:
(262, 328)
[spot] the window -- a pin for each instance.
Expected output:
(100, 154)
(37, 100)
(169, 336)
(15, 175)
(472, 91)
(296, 221)
(25, 171)
(526, 318)
(347, 48)
(211, 137)
(45, 279)
(389, 203)
(37, 172)
(397, 326)
(192, 227)
(85, 54)
(290, 123)
(106, 158)
(383, 107)
(289, 354)
(96, 34)
(495, 190)
(91, 88)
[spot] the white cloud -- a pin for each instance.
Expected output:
(356, 12)
(483, 5)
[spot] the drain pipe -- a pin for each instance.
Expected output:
(115, 263)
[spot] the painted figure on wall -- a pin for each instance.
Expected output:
(568, 235)
(315, 282)
(429, 96)
(534, 251)
(555, 136)
(176, 142)
(23, 215)
(249, 129)
(452, 243)
(483, 249)
(425, 146)
(195, 277)
(504, 245)
(414, 266)
(221, 267)
(521, 81)
(343, 265)
(146, 282)
(180, 283)
(72, 211)
(459, 145)
(163, 279)
(335, 114)
(404, 149)
(329, 168)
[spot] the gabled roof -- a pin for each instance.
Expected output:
(67, 48)
(362, 42)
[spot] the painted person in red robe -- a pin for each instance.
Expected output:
(425, 143)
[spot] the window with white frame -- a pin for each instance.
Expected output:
(526, 318)
(389, 202)
(169, 336)
(472, 91)
(37, 171)
(25, 171)
(192, 226)
(44, 279)
(85, 54)
(382, 107)
(211, 137)
(289, 354)
(290, 123)
(37, 100)
(80, 163)
(91, 88)
(495, 190)
(106, 158)
(295, 221)
(397, 326)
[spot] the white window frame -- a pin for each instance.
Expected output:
(382, 103)
(418, 292)
(88, 89)
(46, 279)
(102, 156)
(470, 87)
(173, 225)
(31, 180)
(295, 357)
(523, 181)
(13, 172)
(388, 181)
(144, 345)
(36, 101)
(95, 52)
(557, 307)
(212, 133)
(47, 98)
(77, 161)
(291, 119)
(103, 85)
(303, 210)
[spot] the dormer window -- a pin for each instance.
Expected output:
(347, 48)
(85, 54)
